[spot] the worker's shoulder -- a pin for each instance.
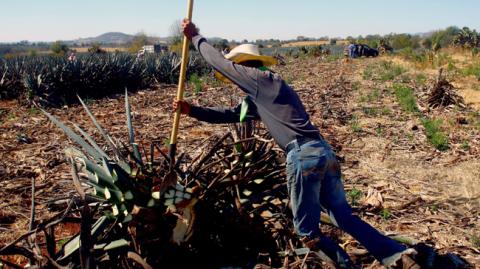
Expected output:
(270, 75)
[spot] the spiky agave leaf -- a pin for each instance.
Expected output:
(90, 140)
(75, 137)
(131, 134)
(105, 135)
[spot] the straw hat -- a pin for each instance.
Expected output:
(243, 53)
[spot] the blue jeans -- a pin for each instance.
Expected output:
(314, 183)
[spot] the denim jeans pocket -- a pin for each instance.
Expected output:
(313, 166)
(312, 152)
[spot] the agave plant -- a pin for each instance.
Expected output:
(123, 179)
(226, 196)
(54, 81)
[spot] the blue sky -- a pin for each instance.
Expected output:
(49, 20)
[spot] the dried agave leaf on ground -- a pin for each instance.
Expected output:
(186, 218)
(374, 199)
(443, 94)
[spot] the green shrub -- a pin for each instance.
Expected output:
(405, 98)
(434, 134)
(59, 48)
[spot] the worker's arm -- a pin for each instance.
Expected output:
(245, 77)
(214, 114)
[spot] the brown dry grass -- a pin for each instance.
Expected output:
(398, 162)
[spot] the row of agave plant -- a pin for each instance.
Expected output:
(54, 80)
(222, 208)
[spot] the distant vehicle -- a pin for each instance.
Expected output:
(157, 48)
(360, 50)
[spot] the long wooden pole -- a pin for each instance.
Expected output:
(181, 87)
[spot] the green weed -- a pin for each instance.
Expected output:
(355, 85)
(33, 111)
(368, 72)
(355, 124)
(420, 79)
(370, 111)
(465, 145)
(410, 136)
(475, 239)
(384, 71)
(333, 57)
(389, 71)
(434, 134)
(472, 70)
(385, 214)
(197, 83)
(373, 96)
(386, 111)
(354, 196)
(405, 98)
(11, 116)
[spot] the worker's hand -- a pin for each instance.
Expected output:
(189, 29)
(184, 107)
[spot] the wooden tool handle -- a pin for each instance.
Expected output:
(181, 86)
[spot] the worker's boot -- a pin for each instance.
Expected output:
(404, 260)
(407, 262)
(329, 251)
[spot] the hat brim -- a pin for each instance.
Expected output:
(244, 57)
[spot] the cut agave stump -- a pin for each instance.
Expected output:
(229, 206)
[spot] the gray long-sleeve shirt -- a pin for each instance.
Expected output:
(271, 99)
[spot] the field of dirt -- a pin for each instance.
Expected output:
(396, 180)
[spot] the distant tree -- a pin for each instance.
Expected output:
(95, 48)
(333, 41)
(301, 38)
(32, 52)
(176, 37)
(221, 44)
(372, 41)
(175, 32)
(138, 42)
(59, 48)
(427, 43)
(351, 40)
(443, 38)
(245, 41)
(401, 41)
